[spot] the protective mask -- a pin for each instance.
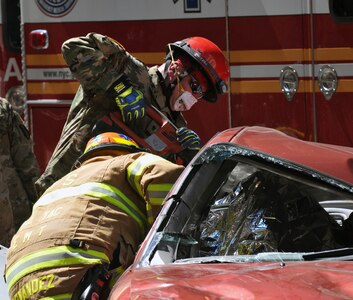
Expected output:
(186, 99)
(184, 102)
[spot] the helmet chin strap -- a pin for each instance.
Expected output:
(171, 82)
(178, 74)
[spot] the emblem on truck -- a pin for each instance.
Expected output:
(56, 8)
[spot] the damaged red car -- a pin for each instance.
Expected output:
(256, 215)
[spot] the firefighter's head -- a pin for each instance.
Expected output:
(195, 69)
(109, 143)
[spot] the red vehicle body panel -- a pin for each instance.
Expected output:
(10, 70)
(305, 280)
(289, 280)
(336, 37)
(335, 161)
(42, 117)
(258, 100)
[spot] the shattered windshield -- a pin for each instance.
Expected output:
(257, 211)
(240, 202)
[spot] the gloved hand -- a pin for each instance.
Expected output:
(129, 100)
(188, 139)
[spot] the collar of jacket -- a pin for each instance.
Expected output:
(158, 88)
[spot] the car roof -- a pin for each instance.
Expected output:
(333, 160)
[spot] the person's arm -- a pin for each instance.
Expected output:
(95, 60)
(152, 177)
(88, 59)
(23, 156)
(99, 63)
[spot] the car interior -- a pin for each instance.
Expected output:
(248, 203)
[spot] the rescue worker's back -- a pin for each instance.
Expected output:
(98, 212)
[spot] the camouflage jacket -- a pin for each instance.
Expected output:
(19, 168)
(97, 61)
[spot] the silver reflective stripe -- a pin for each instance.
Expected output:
(61, 194)
(157, 197)
(157, 192)
(100, 191)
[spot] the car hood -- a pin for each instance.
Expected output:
(312, 280)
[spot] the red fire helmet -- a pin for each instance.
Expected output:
(211, 61)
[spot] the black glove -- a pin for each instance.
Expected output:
(188, 139)
(129, 100)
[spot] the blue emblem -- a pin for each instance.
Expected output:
(56, 8)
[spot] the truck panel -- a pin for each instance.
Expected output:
(260, 37)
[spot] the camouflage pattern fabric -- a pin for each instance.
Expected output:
(18, 172)
(97, 61)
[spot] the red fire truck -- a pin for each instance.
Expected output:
(291, 61)
(10, 46)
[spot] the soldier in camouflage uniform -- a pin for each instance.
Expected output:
(113, 80)
(19, 170)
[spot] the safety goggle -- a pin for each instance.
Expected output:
(196, 88)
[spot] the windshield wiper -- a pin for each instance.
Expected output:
(335, 254)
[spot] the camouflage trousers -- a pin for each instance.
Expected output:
(14, 207)
(7, 227)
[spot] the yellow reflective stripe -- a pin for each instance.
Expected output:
(157, 192)
(101, 191)
(116, 273)
(58, 297)
(150, 218)
(115, 197)
(52, 258)
(136, 169)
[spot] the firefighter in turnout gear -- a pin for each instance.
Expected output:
(112, 81)
(86, 228)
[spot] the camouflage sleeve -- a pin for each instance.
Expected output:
(22, 154)
(90, 59)
(73, 139)
(95, 60)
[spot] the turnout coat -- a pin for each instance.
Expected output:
(96, 214)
